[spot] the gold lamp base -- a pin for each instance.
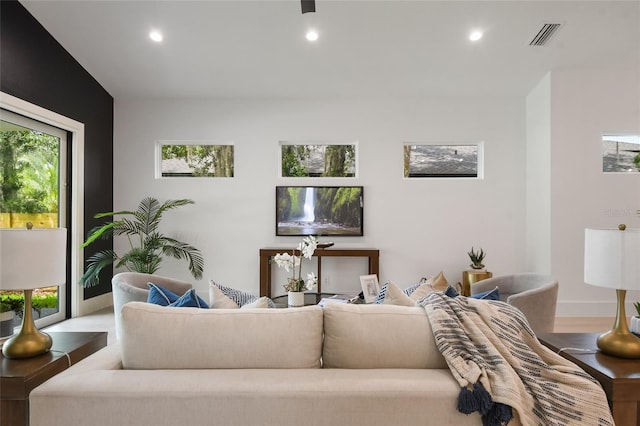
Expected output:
(619, 341)
(29, 341)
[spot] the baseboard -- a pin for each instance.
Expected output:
(94, 304)
(591, 309)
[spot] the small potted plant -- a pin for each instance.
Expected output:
(635, 320)
(476, 258)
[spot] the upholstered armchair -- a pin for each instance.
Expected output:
(132, 286)
(535, 295)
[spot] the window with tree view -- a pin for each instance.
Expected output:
(442, 160)
(621, 153)
(191, 160)
(317, 160)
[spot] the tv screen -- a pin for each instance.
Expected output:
(319, 210)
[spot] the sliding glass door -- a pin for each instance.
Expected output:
(33, 186)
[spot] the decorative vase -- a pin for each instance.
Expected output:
(295, 299)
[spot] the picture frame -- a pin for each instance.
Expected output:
(370, 287)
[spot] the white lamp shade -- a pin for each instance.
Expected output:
(612, 258)
(33, 258)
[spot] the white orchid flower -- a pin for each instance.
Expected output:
(311, 282)
(283, 260)
(308, 246)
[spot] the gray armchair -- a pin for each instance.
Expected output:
(132, 286)
(535, 295)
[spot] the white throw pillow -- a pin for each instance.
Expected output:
(262, 302)
(218, 300)
(395, 296)
(422, 291)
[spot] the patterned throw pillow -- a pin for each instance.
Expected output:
(239, 297)
(393, 295)
(381, 294)
(416, 292)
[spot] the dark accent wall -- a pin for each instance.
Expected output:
(36, 68)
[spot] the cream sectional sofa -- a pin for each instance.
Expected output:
(338, 365)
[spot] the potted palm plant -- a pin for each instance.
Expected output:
(147, 245)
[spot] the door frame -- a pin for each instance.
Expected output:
(75, 154)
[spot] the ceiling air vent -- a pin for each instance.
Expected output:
(544, 34)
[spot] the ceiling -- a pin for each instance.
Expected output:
(257, 49)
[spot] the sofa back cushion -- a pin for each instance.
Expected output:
(378, 336)
(161, 337)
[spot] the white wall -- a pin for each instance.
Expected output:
(584, 105)
(420, 226)
(538, 179)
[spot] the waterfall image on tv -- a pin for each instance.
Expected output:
(319, 210)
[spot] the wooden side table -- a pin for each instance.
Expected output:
(21, 376)
(619, 377)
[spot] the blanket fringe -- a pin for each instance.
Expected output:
(478, 399)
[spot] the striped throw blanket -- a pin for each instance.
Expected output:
(501, 367)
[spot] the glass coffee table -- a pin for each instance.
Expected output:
(311, 298)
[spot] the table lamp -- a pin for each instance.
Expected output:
(30, 259)
(612, 260)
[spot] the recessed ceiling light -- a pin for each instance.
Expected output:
(312, 35)
(475, 35)
(156, 36)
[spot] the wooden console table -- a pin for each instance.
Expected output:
(267, 253)
(21, 376)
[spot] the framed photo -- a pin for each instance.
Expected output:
(370, 287)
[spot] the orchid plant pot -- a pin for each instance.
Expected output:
(295, 299)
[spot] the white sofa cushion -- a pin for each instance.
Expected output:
(160, 337)
(378, 336)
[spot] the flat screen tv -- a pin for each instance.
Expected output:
(319, 210)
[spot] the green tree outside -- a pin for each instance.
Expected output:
(28, 172)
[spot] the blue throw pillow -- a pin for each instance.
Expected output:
(164, 297)
(488, 295)
(451, 291)
(160, 295)
(485, 295)
(190, 300)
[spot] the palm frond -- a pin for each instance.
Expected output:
(147, 215)
(103, 231)
(107, 214)
(126, 226)
(140, 260)
(180, 250)
(172, 204)
(95, 264)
